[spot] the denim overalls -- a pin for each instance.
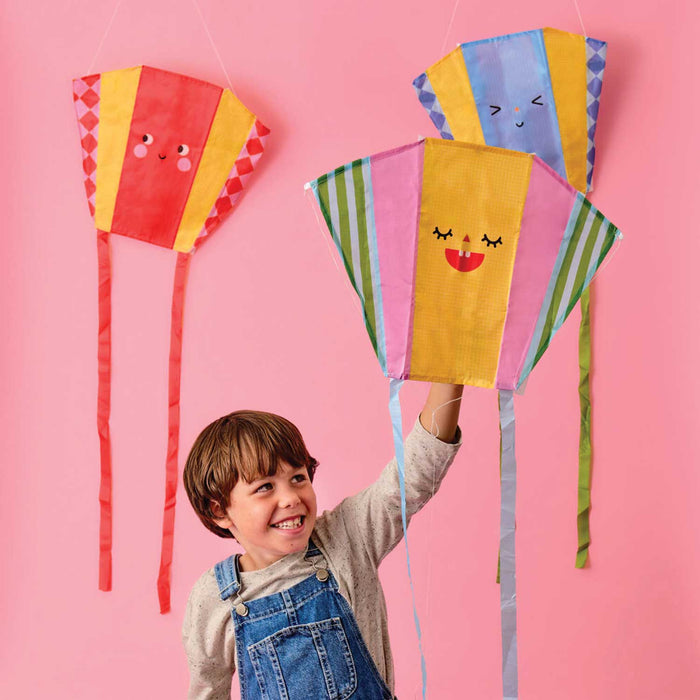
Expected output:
(302, 643)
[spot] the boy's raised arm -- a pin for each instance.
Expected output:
(441, 411)
(372, 518)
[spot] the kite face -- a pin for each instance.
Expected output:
(535, 92)
(165, 155)
(467, 258)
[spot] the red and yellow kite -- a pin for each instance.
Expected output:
(166, 157)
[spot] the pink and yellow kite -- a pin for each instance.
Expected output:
(467, 259)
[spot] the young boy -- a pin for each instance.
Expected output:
(301, 614)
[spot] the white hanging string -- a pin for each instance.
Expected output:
(449, 26)
(580, 19)
(213, 45)
(435, 431)
(104, 36)
(433, 420)
(204, 24)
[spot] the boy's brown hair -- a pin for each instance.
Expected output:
(244, 445)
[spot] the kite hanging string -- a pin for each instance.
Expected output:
(454, 12)
(204, 24)
(104, 36)
(435, 431)
(434, 427)
(580, 19)
(213, 45)
(449, 27)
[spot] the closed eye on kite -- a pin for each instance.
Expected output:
(496, 109)
(535, 102)
(444, 236)
(489, 242)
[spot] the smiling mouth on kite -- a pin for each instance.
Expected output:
(519, 124)
(463, 260)
(162, 157)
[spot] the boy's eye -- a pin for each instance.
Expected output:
(263, 487)
(298, 478)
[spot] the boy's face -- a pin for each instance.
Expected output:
(272, 516)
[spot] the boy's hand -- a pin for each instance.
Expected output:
(440, 414)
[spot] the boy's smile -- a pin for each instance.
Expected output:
(272, 516)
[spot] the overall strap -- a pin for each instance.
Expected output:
(313, 550)
(226, 573)
(104, 373)
(171, 463)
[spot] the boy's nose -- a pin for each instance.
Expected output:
(288, 497)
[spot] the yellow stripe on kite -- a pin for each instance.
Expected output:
(229, 131)
(479, 192)
(566, 54)
(450, 81)
(117, 98)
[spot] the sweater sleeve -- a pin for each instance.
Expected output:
(374, 514)
(209, 642)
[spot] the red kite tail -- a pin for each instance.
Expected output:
(171, 464)
(104, 351)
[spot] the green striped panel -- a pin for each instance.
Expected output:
(343, 197)
(587, 241)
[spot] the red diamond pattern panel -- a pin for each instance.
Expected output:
(89, 121)
(234, 185)
(86, 96)
(237, 179)
(244, 166)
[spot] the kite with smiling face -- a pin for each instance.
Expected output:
(536, 92)
(467, 259)
(165, 159)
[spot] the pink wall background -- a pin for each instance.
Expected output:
(271, 324)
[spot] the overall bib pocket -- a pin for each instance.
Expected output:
(305, 661)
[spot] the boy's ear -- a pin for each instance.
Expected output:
(220, 516)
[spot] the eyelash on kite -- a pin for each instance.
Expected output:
(496, 109)
(489, 242)
(444, 236)
(535, 102)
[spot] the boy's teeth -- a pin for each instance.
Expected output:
(289, 524)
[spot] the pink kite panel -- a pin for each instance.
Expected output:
(396, 185)
(545, 217)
